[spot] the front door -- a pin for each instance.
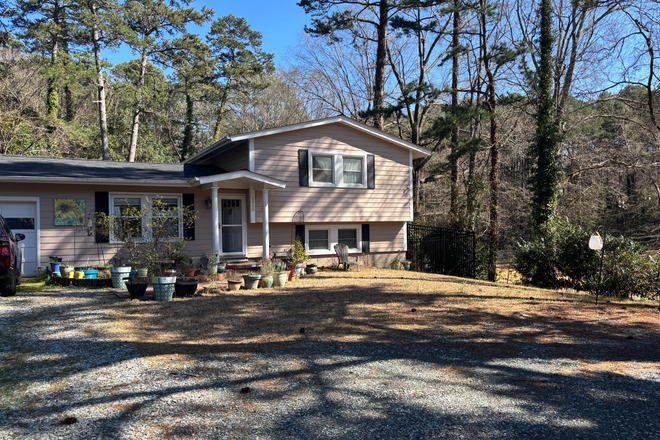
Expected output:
(232, 225)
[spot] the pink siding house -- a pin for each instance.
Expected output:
(326, 181)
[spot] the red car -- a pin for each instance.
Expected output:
(10, 259)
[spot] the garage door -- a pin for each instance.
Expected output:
(22, 217)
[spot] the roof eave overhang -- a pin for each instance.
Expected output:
(417, 151)
(258, 179)
(73, 180)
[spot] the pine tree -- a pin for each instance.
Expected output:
(151, 21)
(240, 61)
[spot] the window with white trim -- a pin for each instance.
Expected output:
(321, 239)
(163, 212)
(337, 169)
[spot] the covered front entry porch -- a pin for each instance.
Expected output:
(233, 206)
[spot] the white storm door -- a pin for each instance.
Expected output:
(21, 218)
(233, 226)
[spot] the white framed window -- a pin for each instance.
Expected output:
(127, 209)
(346, 170)
(321, 239)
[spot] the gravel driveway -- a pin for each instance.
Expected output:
(62, 377)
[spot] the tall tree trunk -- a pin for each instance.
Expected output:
(494, 178)
(381, 59)
(220, 115)
(100, 86)
(138, 108)
(471, 192)
(68, 104)
(186, 147)
(545, 181)
(455, 83)
(52, 98)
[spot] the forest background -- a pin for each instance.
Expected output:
(466, 79)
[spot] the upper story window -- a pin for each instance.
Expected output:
(337, 169)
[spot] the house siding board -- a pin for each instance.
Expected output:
(59, 240)
(238, 158)
(277, 156)
(383, 237)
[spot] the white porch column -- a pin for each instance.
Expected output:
(215, 227)
(266, 252)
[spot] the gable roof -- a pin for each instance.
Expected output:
(234, 140)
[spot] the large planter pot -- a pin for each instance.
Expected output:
(251, 281)
(91, 274)
(266, 282)
(55, 267)
(65, 270)
(136, 288)
(118, 274)
(234, 285)
(279, 279)
(311, 269)
(163, 288)
(183, 289)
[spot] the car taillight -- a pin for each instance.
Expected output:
(5, 256)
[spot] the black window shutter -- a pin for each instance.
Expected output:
(371, 172)
(102, 205)
(300, 233)
(365, 237)
(189, 202)
(303, 168)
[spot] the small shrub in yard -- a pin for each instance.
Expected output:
(561, 257)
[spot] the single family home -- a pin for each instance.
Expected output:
(327, 181)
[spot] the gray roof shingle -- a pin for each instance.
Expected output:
(56, 168)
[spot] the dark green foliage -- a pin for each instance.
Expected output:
(545, 180)
(560, 256)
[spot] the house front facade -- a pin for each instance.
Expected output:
(328, 181)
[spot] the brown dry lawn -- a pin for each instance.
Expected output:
(492, 320)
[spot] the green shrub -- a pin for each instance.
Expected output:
(561, 257)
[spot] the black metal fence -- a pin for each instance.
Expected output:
(440, 250)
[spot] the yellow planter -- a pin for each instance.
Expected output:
(80, 275)
(69, 274)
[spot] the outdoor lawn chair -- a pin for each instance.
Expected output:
(342, 254)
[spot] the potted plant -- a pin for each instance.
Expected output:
(185, 286)
(311, 268)
(153, 249)
(299, 256)
(136, 287)
(395, 264)
(280, 276)
(66, 270)
(234, 283)
(214, 261)
(406, 264)
(266, 274)
(55, 266)
(251, 280)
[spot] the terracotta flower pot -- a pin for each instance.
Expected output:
(234, 285)
(292, 275)
(190, 272)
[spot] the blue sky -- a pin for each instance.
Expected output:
(281, 22)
